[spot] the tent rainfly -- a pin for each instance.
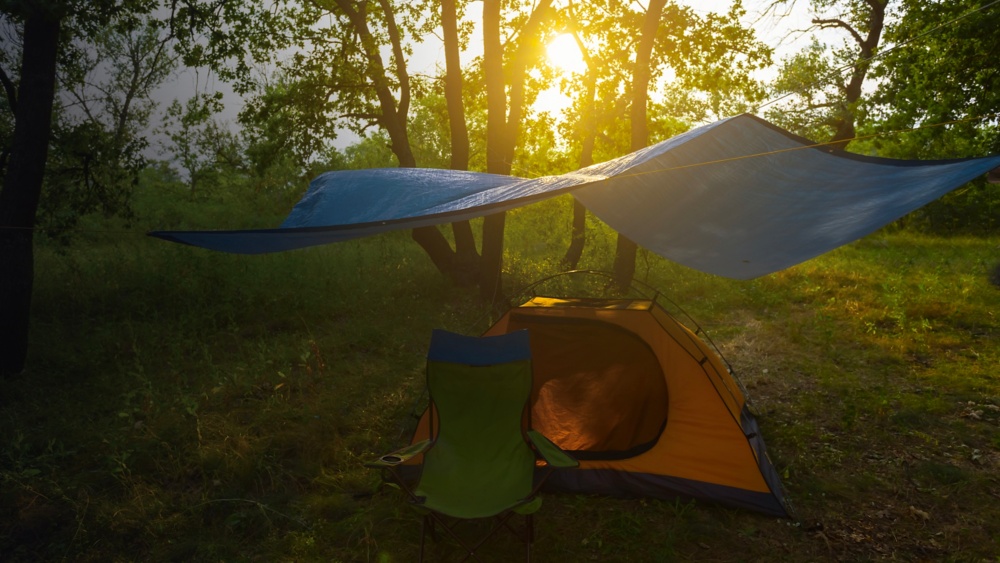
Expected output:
(739, 198)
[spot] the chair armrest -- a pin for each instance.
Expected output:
(551, 453)
(399, 456)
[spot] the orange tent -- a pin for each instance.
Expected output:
(647, 406)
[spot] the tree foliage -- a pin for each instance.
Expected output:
(204, 147)
(102, 112)
(687, 67)
(99, 135)
(310, 70)
(939, 97)
(701, 68)
(823, 85)
(47, 30)
(929, 91)
(942, 72)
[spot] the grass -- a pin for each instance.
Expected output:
(188, 405)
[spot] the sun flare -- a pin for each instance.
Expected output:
(564, 54)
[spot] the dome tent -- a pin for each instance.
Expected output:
(648, 407)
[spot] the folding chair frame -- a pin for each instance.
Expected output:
(393, 462)
(542, 448)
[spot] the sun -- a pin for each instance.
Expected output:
(564, 54)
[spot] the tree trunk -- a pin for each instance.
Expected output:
(436, 247)
(22, 186)
(528, 46)
(453, 87)
(466, 260)
(641, 75)
(490, 282)
(496, 95)
(853, 89)
(501, 127)
(393, 116)
(578, 239)
(624, 268)
(496, 131)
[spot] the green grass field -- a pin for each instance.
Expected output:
(187, 405)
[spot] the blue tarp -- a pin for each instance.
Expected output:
(739, 198)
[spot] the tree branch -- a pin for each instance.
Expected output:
(828, 23)
(397, 53)
(391, 119)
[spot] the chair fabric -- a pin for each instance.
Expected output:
(481, 458)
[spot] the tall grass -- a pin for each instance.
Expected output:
(183, 404)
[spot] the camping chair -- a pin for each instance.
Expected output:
(480, 460)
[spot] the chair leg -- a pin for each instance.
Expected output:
(470, 550)
(527, 534)
(423, 536)
(529, 531)
(430, 528)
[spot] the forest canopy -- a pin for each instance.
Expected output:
(320, 85)
(523, 87)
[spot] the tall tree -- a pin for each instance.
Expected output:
(466, 256)
(394, 113)
(22, 182)
(690, 68)
(394, 121)
(453, 85)
(100, 128)
(828, 83)
(941, 82)
(505, 100)
(588, 130)
(51, 31)
(865, 26)
(941, 70)
(625, 252)
(604, 40)
(338, 75)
